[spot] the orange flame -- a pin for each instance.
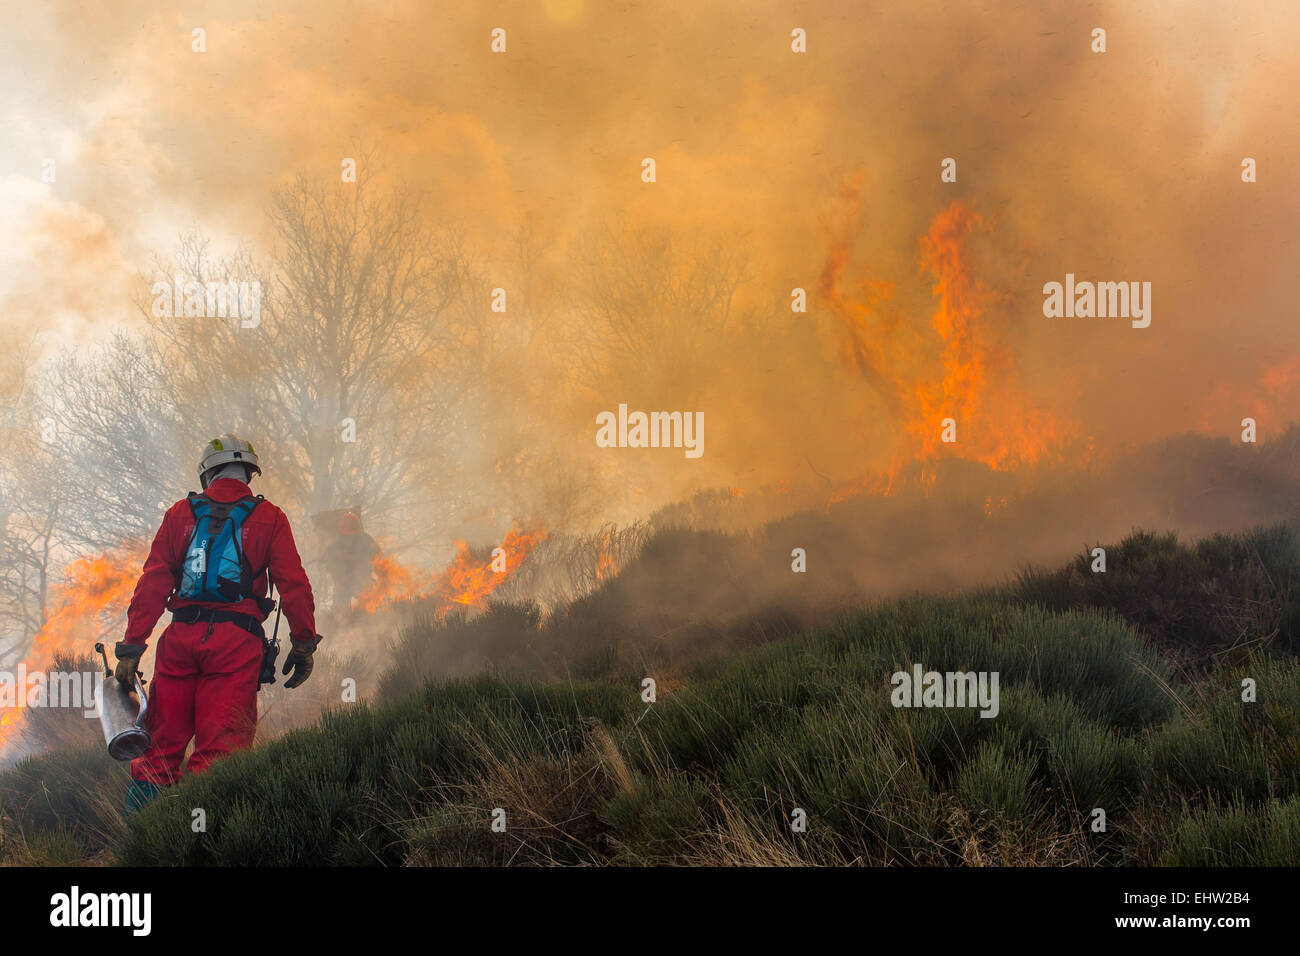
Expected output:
(963, 371)
(86, 607)
(467, 581)
(606, 566)
(1271, 401)
(1283, 379)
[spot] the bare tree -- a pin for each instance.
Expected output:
(123, 447)
(358, 331)
(654, 309)
(353, 339)
(30, 507)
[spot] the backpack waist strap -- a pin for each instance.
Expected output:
(193, 614)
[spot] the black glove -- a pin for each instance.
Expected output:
(128, 663)
(299, 661)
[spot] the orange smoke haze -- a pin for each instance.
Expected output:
(1116, 166)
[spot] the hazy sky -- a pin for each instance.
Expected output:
(1119, 166)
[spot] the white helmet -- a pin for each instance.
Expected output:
(226, 449)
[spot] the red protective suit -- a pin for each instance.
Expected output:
(206, 675)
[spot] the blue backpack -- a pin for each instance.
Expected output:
(214, 568)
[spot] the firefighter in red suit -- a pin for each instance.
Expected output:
(208, 660)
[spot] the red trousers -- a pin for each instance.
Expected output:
(204, 687)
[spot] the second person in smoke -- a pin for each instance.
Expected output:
(350, 561)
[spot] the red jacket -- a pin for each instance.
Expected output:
(267, 541)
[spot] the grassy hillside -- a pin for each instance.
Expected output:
(1120, 691)
(586, 773)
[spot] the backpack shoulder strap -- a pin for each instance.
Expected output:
(240, 510)
(247, 504)
(199, 504)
